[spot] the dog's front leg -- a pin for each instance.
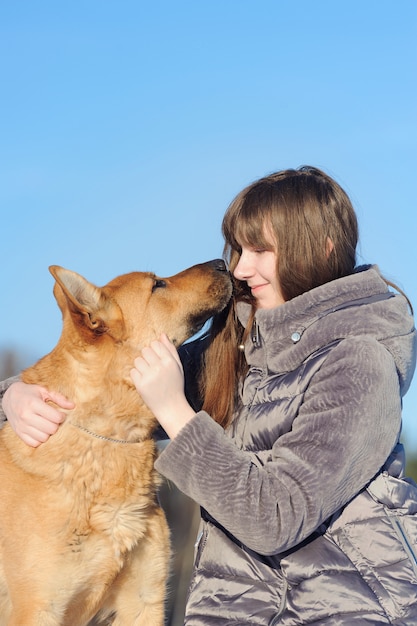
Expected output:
(138, 595)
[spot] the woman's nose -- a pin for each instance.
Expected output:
(242, 270)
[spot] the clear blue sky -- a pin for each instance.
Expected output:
(127, 127)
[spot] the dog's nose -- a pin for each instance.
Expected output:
(219, 265)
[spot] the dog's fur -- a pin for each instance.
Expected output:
(81, 532)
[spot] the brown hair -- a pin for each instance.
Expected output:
(303, 208)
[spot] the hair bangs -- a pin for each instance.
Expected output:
(244, 222)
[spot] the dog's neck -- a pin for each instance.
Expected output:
(110, 411)
(110, 439)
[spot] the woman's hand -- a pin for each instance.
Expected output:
(29, 414)
(159, 379)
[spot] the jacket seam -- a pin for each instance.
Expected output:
(404, 538)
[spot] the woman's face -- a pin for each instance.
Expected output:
(258, 268)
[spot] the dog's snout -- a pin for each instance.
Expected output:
(219, 265)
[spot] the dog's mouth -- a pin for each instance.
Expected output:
(193, 326)
(196, 323)
(197, 320)
(213, 302)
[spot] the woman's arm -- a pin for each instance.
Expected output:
(346, 427)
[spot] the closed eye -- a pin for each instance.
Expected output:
(158, 284)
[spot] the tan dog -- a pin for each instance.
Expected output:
(81, 532)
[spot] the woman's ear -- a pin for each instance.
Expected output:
(329, 247)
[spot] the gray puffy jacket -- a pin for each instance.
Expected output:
(306, 515)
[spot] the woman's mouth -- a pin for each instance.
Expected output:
(255, 288)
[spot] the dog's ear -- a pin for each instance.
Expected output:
(84, 301)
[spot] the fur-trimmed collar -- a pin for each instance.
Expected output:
(358, 304)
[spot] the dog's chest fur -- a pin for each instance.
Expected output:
(103, 491)
(111, 490)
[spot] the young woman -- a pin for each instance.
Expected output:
(295, 456)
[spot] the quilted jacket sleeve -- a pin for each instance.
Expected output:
(347, 425)
(4, 385)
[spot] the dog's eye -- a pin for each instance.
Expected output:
(158, 284)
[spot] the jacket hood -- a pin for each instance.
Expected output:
(358, 304)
